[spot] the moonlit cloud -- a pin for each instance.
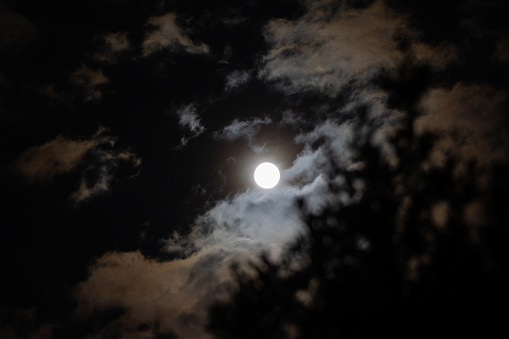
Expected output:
(327, 62)
(168, 35)
(324, 50)
(189, 119)
(177, 294)
(320, 51)
(236, 79)
(292, 119)
(243, 129)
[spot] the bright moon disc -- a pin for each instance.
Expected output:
(266, 175)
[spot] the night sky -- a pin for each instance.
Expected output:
(130, 131)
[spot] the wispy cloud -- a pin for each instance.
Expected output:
(243, 129)
(55, 157)
(325, 49)
(91, 80)
(236, 79)
(168, 35)
(470, 121)
(95, 158)
(114, 44)
(190, 120)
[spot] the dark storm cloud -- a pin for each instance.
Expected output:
(244, 129)
(61, 155)
(167, 35)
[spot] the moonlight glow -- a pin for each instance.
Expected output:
(266, 175)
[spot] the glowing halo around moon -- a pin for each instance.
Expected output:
(266, 175)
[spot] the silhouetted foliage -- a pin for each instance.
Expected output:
(401, 256)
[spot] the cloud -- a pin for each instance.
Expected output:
(175, 296)
(291, 118)
(168, 35)
(117, 42)
(469, 119)
(189, 119)
(246, 129)
(95, 159)
(55, 157)
(105, 163)
(114, 44)
(91, 80)
(162, 296)
(502, 52)
(325, 49)
(236, 79)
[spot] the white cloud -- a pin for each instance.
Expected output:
(246, 129)
(189, 119)
(168, 35)
(236, 79)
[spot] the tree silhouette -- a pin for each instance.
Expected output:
(400, 257)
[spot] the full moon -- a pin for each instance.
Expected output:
(266, 175)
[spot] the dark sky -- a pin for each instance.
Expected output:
(130, 130)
